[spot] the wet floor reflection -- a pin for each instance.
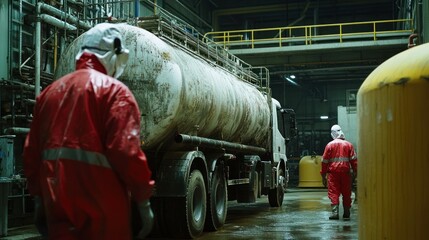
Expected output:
(304, 215)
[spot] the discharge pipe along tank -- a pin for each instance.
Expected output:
(179, 92)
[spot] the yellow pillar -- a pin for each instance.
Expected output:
(393, 167)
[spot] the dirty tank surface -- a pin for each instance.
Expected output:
(304, 215)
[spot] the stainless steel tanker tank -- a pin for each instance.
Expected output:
(181, 92)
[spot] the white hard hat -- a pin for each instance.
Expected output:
(104, 40)
(336, 132)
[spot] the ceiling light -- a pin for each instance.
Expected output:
(291, 81)
(324, 117)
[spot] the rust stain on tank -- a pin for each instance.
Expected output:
(382, 83)
(166, 56)
(402, 81)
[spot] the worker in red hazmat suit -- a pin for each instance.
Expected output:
(339, 158)
(82, 156)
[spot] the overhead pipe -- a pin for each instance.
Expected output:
(10, 116)
(16, 130)
(25, 85)
(30, 101)
(63, 15)
(57, 22)
(74, 2)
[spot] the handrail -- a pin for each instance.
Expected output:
(310, 34)
(180, 33)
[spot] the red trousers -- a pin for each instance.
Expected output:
(340, 183)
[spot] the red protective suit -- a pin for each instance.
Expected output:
(83, 155)
(339, 156)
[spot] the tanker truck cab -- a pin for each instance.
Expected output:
(279, 139)
(283, 128)
(280, 175)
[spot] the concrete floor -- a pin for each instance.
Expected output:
(304, 215)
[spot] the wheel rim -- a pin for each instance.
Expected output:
(282, 182)
(217, 207)
(282, 187)
(220, 199)
(197, 210)
(196, 204)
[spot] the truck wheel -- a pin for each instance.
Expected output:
(216, 213)
(276, 195)
(196, 201)
(248, 193)
(184, 217)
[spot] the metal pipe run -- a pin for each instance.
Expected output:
(16, 130)
(30, 101)
(65, 16)
(57, 22)
(24, 85)
(10, 116)
(218, 144)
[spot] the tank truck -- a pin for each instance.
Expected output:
(210, 129)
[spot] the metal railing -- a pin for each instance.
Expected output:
(176, 31)
(313, 34)
(182, 34)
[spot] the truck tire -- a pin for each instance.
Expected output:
(184, 217)
(276, 195)
(217, 204)
(196, 200)
(248, 193)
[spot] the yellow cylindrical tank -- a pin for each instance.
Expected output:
(309, 171)
(393, 168)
